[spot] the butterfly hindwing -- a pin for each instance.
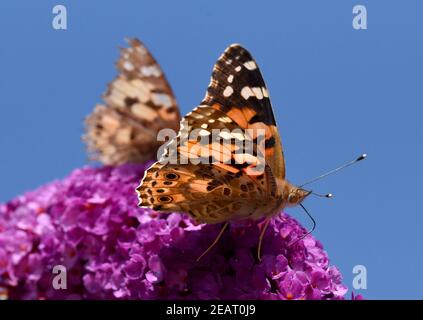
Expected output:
(138, 103)
(208, 193)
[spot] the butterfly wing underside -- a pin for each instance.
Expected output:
(228, 186)
(137, 104)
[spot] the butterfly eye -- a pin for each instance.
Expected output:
(292, 198)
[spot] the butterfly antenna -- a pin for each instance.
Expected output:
(310, 231)
(362, 157)
(328, 195)
(214, 242)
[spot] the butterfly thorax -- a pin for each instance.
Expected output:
(286, 195)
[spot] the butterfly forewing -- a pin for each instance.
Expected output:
(238, 89)
(138, 103)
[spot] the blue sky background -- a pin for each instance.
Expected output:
(336, 92)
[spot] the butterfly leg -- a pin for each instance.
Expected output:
(266, 224)
(214, 242)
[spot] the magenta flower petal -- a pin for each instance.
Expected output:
(135, 267)
(90, 223)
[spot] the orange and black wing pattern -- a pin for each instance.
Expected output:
(213, 178)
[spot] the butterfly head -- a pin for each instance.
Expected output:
(296, 195)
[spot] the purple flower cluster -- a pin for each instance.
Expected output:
(90, 223)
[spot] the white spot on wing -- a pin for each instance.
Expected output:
(258, 93)
(198, 116)
(162, 99)
(238, 69)
(128, 66)
(245, 158)
(238, 136)
(246, 92)
(203, 133)
(151, 71)
(228, 91)
(225, 135)
(230, 78)
(250, 65)
(225, 119)
(265, 92)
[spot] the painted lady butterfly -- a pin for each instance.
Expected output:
(237, 98)
(138, 104)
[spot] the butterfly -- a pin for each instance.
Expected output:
(237, 101)
(138, 103)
